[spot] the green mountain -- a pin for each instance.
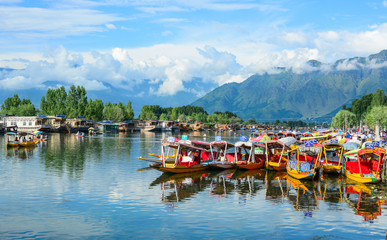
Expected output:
(316, 94)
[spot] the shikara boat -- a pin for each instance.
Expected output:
(364, 165)
(26, 140)
(223, 160)
(280, 135)
(331, 158)
(272, 136)
(253, 156)
(12, 139)
(188, 157)
(276, 155)
(79, 134)
(303, 161)
(40, 136)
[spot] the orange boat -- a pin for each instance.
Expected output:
(253, 157)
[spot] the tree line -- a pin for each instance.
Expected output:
(187, 113)
(72, 104)
(75, 103)
(370, 109)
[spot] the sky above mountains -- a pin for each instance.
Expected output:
(162, 48)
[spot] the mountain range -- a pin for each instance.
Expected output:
(316, 94)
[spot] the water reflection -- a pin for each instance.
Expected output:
(302, 195)
(364, 201)
(65, 153)
(20, 153)
(220, 183)
(179, 187)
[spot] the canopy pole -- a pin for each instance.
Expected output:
(177, 155)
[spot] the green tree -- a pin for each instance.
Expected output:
(164, 117)
(129, 111)
(376, 118)
(11, 104)
(14, 106)
(379, 98)
(343, 117)
(27, 109)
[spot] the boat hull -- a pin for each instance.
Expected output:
(362, 179)
(28, 144)
(300, 175)
(250, 166)
(336, 169)
(221, 164)
(182, 169)
(275, 166)
(12, 144)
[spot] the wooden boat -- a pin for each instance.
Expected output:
(188, 157)
(26, 140)
(12, 140)
(253, 157)
(40, 136)
(276, 155)
(223, 159)
(364, 165)
(79, 134)
(303, 162)
(272, 136)
(280, 135)
(331, 158)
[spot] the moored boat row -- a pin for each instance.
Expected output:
(316, 155)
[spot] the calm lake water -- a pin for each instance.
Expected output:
(96, 188)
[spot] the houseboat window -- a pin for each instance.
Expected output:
(30, 123)
(24, 123)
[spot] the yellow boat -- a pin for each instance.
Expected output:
(364, 165)
(303, 162)
(27, 140)
(12, 140)
(331, 158)
(276, 155)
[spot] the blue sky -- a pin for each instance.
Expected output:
(163, 46)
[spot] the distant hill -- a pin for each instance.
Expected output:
(316, 94)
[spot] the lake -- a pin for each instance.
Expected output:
(96, 188)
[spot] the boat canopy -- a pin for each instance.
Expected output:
(349, 146)
(288, 140)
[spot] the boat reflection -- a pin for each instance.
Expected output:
(330, 189)
(220, 183)
(302, 195)
(179, 187)
(275, 186)
(279, 187)
(248, 183)
(20, 153)
(364, 201)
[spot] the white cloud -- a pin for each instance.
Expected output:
(40, 22)
(110, 26)
(348, 44)
(384, 3)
